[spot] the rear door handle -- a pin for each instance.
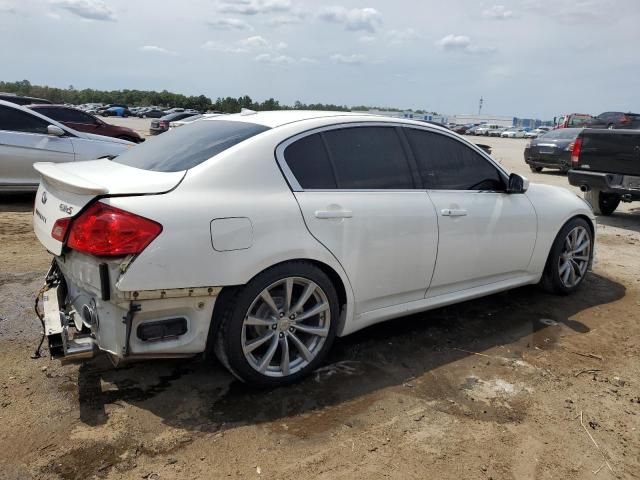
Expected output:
(334, 214)
(453, 212)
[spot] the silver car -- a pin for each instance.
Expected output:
(26, 137)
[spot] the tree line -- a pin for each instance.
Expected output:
(164, 98)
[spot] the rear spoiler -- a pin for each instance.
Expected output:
(57, 175)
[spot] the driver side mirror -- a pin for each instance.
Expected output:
(517, 184)
(55, 131)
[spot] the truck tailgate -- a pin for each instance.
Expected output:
(614, 151)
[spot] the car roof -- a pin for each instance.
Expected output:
(277, 118)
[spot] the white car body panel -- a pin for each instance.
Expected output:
(468, 253)
(385, 254)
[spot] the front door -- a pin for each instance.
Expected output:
(24, 141)
(485, 234)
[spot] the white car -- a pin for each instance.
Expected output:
(536, 132)
(513, 133)
(263, 236)
(27, 137)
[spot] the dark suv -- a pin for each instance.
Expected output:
(616, 120)
(20, 100)
(85, 122)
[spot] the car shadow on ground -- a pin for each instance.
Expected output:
(202, 396)
(628, 220)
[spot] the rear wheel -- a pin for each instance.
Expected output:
(569, 258)
(280, 326)
(602, 203)
(535, 169)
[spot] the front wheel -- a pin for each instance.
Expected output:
(602, 203)
(569, 258)
(280, 326)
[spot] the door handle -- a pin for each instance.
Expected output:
(453, 212)
(334, 214)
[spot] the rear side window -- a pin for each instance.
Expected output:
(368, 158)
(15, 120)
(308, 161)
(185, 147)
(448, 164)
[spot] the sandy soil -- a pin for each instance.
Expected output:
(490, 389)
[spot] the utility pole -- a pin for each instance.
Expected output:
(480, 106)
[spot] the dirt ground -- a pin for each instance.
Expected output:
(519, 385)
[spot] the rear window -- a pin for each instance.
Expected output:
(188, 146)
(562, 134)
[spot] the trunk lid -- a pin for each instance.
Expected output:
(67, 188)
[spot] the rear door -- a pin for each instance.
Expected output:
(485, 234)
(23, 141)
(356, 191)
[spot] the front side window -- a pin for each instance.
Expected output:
(448, 164)
(15, 120)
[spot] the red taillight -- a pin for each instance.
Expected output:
(625, 119)
(60, 228)
(106, 231)
(575, 152)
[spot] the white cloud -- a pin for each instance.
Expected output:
(230, 24)
(308, 60)
(254, 7)
(255, 42)
(7, 7)
(281, 45)
(367, 19)
(89, 9)
(498, 12)
(156, 49)
(353, 59)
(274, 59)
(461, 43)
(397, 37)
(53, 16)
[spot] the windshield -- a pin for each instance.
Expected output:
(186, 147)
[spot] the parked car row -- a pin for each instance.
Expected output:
(610, 120)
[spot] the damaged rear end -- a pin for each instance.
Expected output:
(93, 243)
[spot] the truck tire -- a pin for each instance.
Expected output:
(602, 203)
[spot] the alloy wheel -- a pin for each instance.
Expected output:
(286, 327)
(575, 256)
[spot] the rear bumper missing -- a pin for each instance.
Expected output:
(63, 343)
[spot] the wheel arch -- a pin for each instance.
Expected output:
(228, 294)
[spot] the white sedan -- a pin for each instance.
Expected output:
(263, 236)
(513, 133)
(27, 137)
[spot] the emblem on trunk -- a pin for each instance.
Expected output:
(66, 208)
(43, 199)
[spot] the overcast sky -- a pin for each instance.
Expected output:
(529, 58)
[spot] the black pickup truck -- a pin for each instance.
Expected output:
(605, 164)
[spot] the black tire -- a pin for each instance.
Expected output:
(535, 169)
(602, 203)
(227, 343)
(551, 281)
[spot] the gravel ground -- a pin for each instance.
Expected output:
(518, 385)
